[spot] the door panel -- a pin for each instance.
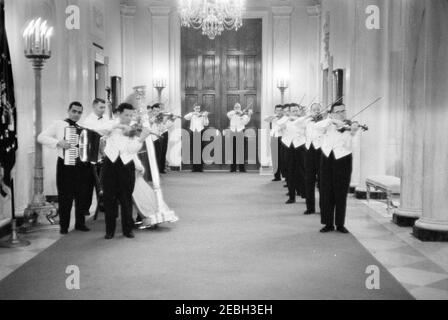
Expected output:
(219, 73)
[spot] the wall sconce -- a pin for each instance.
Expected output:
(159, 84)
(282, 85)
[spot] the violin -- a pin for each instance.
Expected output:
(136, 130)
(348, 126)
(317, 118)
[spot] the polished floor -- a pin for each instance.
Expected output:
(421, 268)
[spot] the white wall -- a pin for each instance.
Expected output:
(67, 76)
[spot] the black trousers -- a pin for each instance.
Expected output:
(277, 156)
(335, 177)
(296, 171)
(158, 151)
(196, 148)
(312, 174)
(73, 184)
(118, 183)
(163, 151)
(284, 160)
(238, 153)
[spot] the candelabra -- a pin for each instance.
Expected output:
(37, 38)
(282, 85)
(159, 84)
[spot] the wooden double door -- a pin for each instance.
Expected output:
(219, 73)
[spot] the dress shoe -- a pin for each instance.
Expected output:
(108, 236)
(290, 201)
(63, 232)
(276, 179)
(83, 229)
(327, 229)
(130, 235)
(308, 212)
(342, 229)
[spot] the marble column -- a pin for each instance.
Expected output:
(433, 225)
(414, 98)
(160, 17)
(127, 11)
(313, 73)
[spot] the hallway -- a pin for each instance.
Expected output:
(235, 240)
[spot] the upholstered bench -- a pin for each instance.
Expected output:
(388, 184)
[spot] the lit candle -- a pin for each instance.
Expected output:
(49, 35)
(36, 34)
(43, 31)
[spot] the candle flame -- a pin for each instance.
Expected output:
(49, 32)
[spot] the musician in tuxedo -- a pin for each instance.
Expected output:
(336, 168)
(72, 180)
(120, 164)
(238, 121)
(94, 121)
(164, 123)
(313, 155)
(294, 140)
(283, 148)
(198, 121)
(276, 135)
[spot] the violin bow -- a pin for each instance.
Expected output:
(302, 99)
(364, 109)
(329, 106)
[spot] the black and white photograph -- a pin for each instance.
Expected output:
(223, 156)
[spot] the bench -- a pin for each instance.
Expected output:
(388, 184)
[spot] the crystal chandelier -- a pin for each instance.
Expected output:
(212, 16)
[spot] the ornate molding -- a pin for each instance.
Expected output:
(128, 10)
(283, 11)
(314, 11)
(160, 11)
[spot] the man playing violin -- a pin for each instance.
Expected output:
(276, 145)
(120, 163)
(198, 121)
(336, 167)
(294, 141)
(238, 121)
(313, 154)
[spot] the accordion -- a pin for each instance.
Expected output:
(84, 145)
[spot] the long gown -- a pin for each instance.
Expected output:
(149, 201)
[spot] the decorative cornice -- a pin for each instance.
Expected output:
(282, 11)
(314, 11)
(160, 11)
(128, 10)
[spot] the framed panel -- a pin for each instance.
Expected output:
(233, 72)
(190, 100)
(231, 100)
(208, 72)
(191, 74)
(250, 73)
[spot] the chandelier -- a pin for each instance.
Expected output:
(212, 16)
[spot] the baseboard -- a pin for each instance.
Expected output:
(374, 195)
(175, 168)
(6, 229)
